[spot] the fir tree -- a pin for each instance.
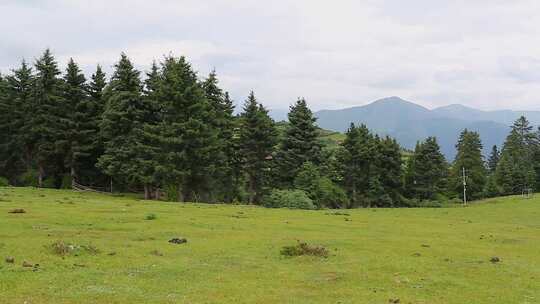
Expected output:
(468, 157)
(427, 171)
(76, 138)
(389, 167)
(515, 170)
(189, 141)
(122, 125)
(47, 124)
(257, 139)
(226, 177)
(493, 160)
(300, 143)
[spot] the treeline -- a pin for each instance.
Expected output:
(175, 136)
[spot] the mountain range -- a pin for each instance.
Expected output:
(409, 122)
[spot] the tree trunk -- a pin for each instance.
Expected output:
(147, 192)
(41, 175)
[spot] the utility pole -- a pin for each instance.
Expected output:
(464, 186)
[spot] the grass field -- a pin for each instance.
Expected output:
(233, 252)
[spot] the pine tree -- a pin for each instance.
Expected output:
(469, 157)
(76, 140)
(493, 160)
(47, 124)
(122, 125)
(95, 108)
(359, 153)
(389, 167)
(427, 171)
(226, 177)
(300, 143)
(257, 139)
(189, 141)
(515, 170)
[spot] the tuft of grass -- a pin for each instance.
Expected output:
(303, 248)
(150, 217)
(63, 249)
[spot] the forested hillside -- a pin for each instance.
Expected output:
(173, 135)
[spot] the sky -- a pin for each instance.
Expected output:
(336, 54)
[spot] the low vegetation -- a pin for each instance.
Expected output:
(102, 250)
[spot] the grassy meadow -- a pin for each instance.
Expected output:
(93, 248)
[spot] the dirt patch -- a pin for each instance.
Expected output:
(495, 260)
(17, 211)
(63, 249)
(10, 260)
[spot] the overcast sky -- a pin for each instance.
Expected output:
(480, 53)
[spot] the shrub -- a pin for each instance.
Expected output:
(66, 182)
(63, 249)
(29, 178)
(328, 194)
(303, 248)
(3, 182)
(294, 199)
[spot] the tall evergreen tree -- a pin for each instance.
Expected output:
(390, 172)
(357, 158)
(188, 141)
(47, 120)
(515, 170)
(226, 175)
(468, 157)
(122, 126)
(76, 140)
(427, 171)
(300, 143)
(493, 160)
(257, 139)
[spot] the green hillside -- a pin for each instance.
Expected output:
(92, 248)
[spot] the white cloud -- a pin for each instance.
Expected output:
(482, 53)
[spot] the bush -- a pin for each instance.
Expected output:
(3, 182)
(66, 182)
(294, 199)
(29, 178)
(328, 194)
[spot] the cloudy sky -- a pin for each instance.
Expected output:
(480, 53)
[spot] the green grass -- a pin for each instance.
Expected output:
(232, 254)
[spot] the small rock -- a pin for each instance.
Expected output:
(27, 264)
(10, 260)
(425, 246)
(112, 253)
(495, 260)
(417, 254)
(396, 300)
(177, 241)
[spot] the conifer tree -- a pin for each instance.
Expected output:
(468, 157)
(515, 170)
(76, 140)
(188, 141)
(300, 143)
(122, 126)
(427, 171)
(47, 124)
(389, 169)
(257, 139)
(357, 159)
(493, 160)
(226, 177)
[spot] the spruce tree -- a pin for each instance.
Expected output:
(226, 177)
(468, 157)
(427, 171)
(47, 123)
(76, 141)
(493, 160)
(357, 159)
(515, 170)
(257, 139)
(300, 143)
(188, 140)
(122, 126)
(389, 169)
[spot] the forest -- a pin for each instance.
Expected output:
(173, 135)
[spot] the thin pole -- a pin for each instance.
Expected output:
(464, 186)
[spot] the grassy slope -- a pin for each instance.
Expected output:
(232, 254)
